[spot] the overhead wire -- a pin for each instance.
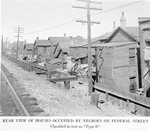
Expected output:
(82, 17)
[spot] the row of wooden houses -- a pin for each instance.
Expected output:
(121, 57)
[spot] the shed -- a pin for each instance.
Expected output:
(116, 64)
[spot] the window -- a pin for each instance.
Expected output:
(132, 60)
(44, 51)
(133, 84)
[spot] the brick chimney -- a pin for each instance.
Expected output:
(123, 21)
(64, 35)
(71, 40)
(114, 26)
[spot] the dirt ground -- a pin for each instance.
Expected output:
(55, 100)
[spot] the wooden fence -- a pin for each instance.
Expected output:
(130, 101)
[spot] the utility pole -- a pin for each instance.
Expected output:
(6, 45)
(18, 30)
(2, 44)
(90, 84)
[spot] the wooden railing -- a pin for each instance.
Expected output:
(140, 100)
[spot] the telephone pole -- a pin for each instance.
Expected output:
(18, 30)
(2, 44)
(90, 84)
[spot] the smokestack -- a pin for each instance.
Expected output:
(123, 21)
(114, 26)
(71, 40)
(64, 35)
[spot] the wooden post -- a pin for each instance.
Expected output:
(107, 96)
(67, 84)
(127, 104)
(94, 99)
(96, 58)
(90, 85)
(89, 50)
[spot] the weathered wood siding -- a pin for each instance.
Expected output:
(79, 51)
(122, 70)
(121, 77)
(121, 36)
(104, 62)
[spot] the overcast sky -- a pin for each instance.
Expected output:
(57, 17)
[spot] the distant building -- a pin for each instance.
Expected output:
(28, 48)
(20, 47)
(81, 49)
(54, 47)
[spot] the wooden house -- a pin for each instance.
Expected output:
(28, 48)
(42, 49)
(118, 59)
(80, 50)
(82, 47)
(144, 36)
(54, 47)
(116, 65)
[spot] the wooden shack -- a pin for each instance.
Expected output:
(51, 48)
(28, 48)
(116, 65)
(43, 49)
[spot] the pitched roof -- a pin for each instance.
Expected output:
(44, 43)
(133, 32)
(93, 40)
(28, 46)
(65, 46)
(115, 44)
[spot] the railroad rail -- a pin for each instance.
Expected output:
(22, 110)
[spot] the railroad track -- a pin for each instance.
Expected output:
(22, 110)
(25, 104)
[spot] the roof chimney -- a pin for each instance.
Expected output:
(37, 38)
(71, 40)
(114, 26)
(49, 38)
(64, 35)
(123, 21)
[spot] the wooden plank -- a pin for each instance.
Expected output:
(107, 72)
(63, 79)
(124, 95)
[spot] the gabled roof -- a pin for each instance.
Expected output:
(28, 46)
(44, 43)
(133, 32)
(65, 46)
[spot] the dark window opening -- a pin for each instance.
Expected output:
(133, 84)
(132, 60)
